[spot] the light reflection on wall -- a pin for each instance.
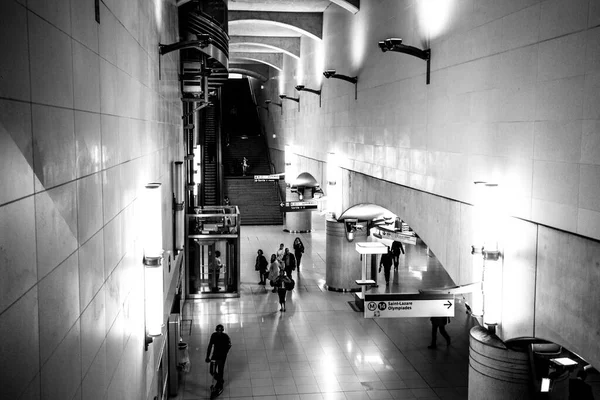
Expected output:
(319, 63)
(433, 16)
(299, 72)
(281, 83)
(358, 41)
(158, 13)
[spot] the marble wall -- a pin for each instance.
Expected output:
(513, 99)
(85, 123)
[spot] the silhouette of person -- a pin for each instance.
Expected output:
(386, 263)
(439, 323)
(219, 344)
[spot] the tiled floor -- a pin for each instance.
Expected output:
(320, 348)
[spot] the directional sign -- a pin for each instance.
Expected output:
(404, 237)
(267, 178)
(405, 305)
(292, 206)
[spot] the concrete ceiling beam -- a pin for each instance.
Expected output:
(287, 45)
(309, 24)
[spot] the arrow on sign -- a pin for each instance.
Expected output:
(281, 204)
(449, 304)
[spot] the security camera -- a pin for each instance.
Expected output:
(267, 102)
(299, 87)
(329, 73)
(392, 42)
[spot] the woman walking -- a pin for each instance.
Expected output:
(298, 250)
(280, 283)
(273, 271)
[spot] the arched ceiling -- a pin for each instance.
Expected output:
(271, 27)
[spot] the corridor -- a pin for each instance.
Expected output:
(320, 348)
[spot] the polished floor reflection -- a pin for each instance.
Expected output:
(320, 348)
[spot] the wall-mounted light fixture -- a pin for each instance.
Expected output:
(488, 258)
(201, 41)
(302, 88)
(332, 73)
(395, 44)
(269, 102)
(296, 99)
(178, 205)
(151, 236)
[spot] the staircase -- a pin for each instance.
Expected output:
(253, 148)
(258, 201)
(210, 178)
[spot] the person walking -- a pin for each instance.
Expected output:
(386, 263)
(289, 262)
(214, 269)
(280, 252)
(397, 249)
(219, 344)
(261, 266)
(274, 268)
(439, 323)
(298, 250)
(280, 284)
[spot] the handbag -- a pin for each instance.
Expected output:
(290, 285)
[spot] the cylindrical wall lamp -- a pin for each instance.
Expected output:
(178, 206)
(290, 168)
(151, 235)
(488, 258)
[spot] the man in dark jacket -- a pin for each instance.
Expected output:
(397, 249)
(386, 263)
(289, 262)
(219, 344)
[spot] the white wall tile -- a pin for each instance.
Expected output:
(589, 190)
(515, 139)
(84, 26)
(86, 78)
(14, 63)
(559, 215)
(559, 17)
(518, 67)
(64, 366)
(113, 245)
(111, 195)
(87, 143)
(56, 226)
(53, 146)
(558, 141)
(556, 182)
(95, 381)
(109, 27)
(110, 141)
(16, 158)
(56, 12)
(591, 96)
(521, 28)
(93, 332)
(91, 269)
(560, 99)
(590, 142)
(109, 81)
(20, 351)
(51, 64)
(18, 272)
(562, 57)
(588, 223)
(89, 206)
(59, 306)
